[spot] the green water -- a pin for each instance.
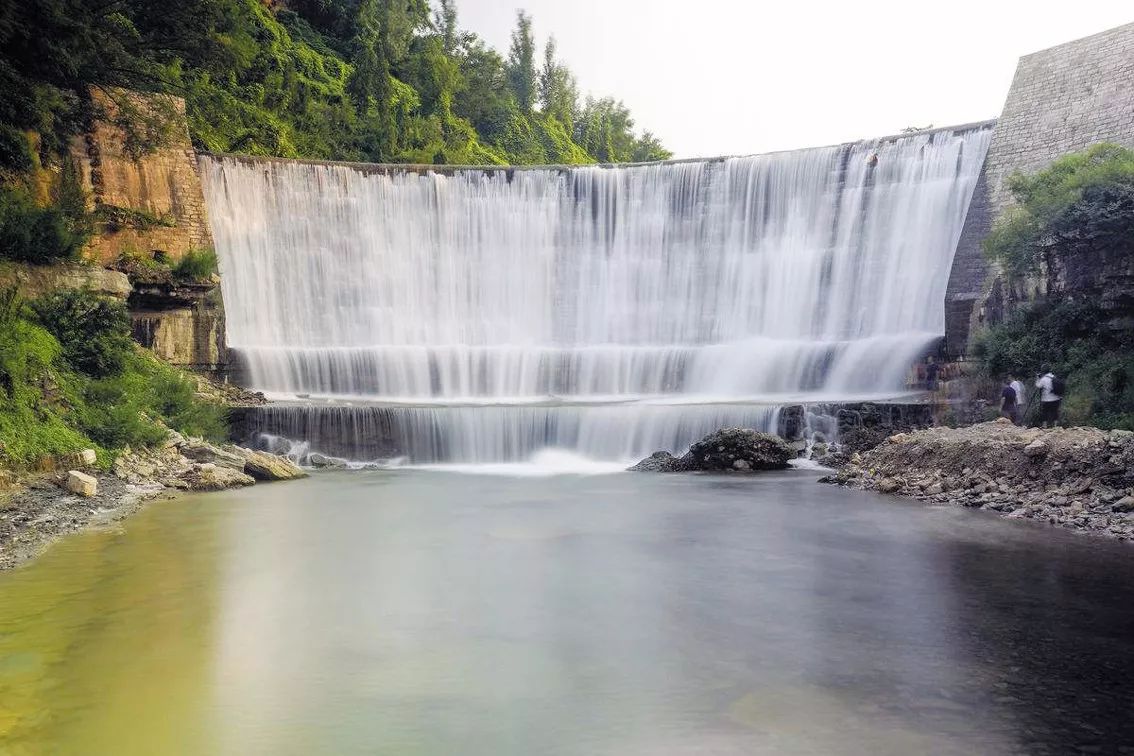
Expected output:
(432, 613)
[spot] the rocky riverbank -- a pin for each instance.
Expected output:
(1080, 478)
(36, 509)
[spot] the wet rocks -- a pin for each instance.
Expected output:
(660, 461)
(212, 477)
(264, 466)
(726, 450)
(202, 451)
(1080, 478)
(315, 459)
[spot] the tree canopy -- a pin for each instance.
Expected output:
(376, 80)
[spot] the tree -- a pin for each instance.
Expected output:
(558, 92)
(445, 21)
(605, 130)
(521, 64)
(649, 148)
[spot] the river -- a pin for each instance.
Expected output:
(430, 612)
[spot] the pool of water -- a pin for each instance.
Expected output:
(431, 612)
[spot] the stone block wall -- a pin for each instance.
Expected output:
(1063, 99)
(163, 183)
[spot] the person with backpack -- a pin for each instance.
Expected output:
(1051, 397)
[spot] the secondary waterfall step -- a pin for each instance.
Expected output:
(640, 307)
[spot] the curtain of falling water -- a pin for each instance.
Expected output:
(816, 272)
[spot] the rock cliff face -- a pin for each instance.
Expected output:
(32, 281)
(183, 323)
(155, 197)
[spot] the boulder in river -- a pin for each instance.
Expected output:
(726, 450)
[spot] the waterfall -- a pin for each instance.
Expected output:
(480, 315)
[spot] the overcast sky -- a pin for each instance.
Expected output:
(724, 77)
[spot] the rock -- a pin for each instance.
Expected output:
(888, 485)
(203, 451)
(315, 459)
(727, 450)
(1036, 448)
(174, 440)
(1125, 504)
(81, 483)
(84, 458)
(719, 451)
(264, 466)
(209, 476)
(935, 489)
(661, 461)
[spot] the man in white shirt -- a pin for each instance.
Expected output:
(1049, 399)
(1019, 389)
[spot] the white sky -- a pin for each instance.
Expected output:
(723, 77)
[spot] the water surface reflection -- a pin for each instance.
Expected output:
(434, 613)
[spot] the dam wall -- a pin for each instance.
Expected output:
(1062, 99)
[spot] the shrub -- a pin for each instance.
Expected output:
(1071, 338)
(34, 234)
(93, 330)
(1082, 201)
(196, 265)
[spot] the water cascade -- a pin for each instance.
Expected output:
(482, 315)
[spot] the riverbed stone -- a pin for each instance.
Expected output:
(81, 483)
(202, 451)
(209, 476)
(263, 466)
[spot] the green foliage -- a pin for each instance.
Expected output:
(196, 265)
(521, 63)
(122, 410)
(329, 79)
(29, 233)
(1082, 202)
(94, 330)
(49, 406)
(1072, 339)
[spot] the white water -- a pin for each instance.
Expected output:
(806, 273)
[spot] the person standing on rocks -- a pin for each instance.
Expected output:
(1018, 387)
(1010, 401)
(1051, 397)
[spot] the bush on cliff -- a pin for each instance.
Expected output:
(1082, 202)
(94, 330)
(34, 234)
(196, 265)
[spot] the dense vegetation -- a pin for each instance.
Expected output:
(376, 80)
(70, 378)
(1081, 207)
